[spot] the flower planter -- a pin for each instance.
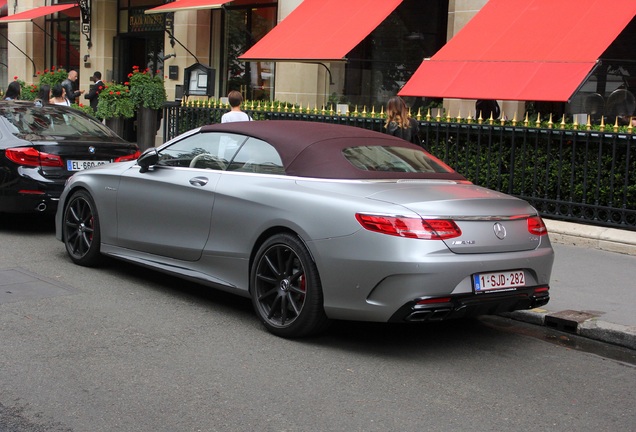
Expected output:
(146, 128)
(116, 124)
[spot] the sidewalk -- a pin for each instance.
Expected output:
(593, 284)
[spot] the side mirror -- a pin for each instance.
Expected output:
(147, 159)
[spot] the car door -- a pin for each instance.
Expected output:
(167, 210)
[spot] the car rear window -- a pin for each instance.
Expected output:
(393, 159)
(48, 123)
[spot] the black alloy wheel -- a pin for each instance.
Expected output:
(286, 289)
(81, 229)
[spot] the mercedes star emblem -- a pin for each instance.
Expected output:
(500, 231)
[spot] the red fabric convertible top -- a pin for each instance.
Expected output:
(310, 149)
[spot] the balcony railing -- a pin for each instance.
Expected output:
(565, 170)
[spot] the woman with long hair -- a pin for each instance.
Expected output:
(44, 94)
(399, 123)
(13, 91)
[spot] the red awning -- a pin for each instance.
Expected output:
(321, 30)
(187, 5)
(538, 50)
(38, 12)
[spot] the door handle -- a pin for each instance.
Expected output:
(199, 181)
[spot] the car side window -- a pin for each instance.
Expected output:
(207, 150)
(257, 156)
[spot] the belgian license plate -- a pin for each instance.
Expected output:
(499, 281)
(79, 165)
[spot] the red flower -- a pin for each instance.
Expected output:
(38, 72)
(81, 105)
(46, 70)
(53, 67)
(111, 92)
(15, 78)
(118, 93)
(130, 75)
(127, 83)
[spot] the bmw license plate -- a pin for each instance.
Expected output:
(508, 280)
(79, 165)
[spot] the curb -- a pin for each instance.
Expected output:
(590, 328)
(583, 323)
(608, 239)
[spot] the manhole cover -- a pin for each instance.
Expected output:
(18, 285)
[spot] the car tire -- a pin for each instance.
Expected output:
(286, 290)
(80, 230)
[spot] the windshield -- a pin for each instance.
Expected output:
(50, 123)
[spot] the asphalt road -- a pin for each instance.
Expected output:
(121, 348)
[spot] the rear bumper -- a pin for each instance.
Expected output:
(26, 190)
(29, 203)
(470, 305)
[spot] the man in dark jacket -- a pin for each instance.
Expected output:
(71, 93)
(93, 93)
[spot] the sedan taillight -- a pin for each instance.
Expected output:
(400, 226)
(28, 156)
(129, 157)
(536, 226)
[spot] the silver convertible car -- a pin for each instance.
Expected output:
(314, 222)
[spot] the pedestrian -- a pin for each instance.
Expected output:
(44, 94)
(68, 83)
(235, 114)
(93, 93)
(13, 91)
(58, 94)
(399, 123)
(485, 108)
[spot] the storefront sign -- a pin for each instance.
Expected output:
(140, 22)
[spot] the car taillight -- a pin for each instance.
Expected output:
(28, 156)
(129, 157)
(536, 226)
(426, 229)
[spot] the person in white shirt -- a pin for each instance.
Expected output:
(58, 94)
(235, 114)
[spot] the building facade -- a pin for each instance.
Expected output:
(112, 36)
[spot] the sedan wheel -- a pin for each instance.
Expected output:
(286, 290)
(81, 229)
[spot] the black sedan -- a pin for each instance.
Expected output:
(43, 145)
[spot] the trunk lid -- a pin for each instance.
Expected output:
(490, 221)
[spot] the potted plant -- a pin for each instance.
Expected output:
(148, 95)
(52, 76)
(86, 109)
(146, 89)
(115, 104)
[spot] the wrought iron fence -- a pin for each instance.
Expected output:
(584, 176)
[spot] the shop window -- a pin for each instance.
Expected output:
(380, 65)
(243, 28)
